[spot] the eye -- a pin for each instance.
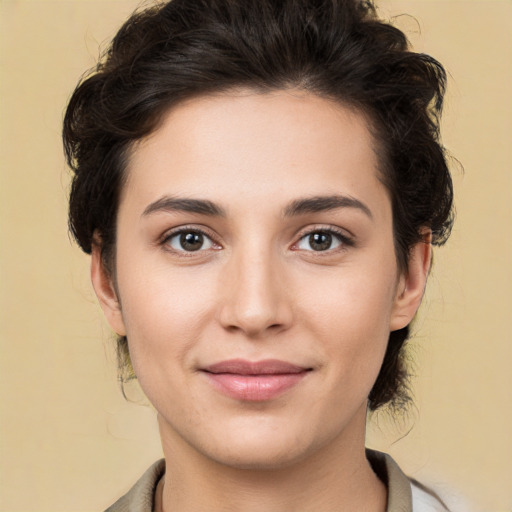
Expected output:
(189, 241)
(321, 240)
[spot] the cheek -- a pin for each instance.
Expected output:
(355, 300)
(164, 312)
(351, 314)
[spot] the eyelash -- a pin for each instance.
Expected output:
(186, 230)
(341, 236)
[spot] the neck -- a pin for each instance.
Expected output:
(337, 477)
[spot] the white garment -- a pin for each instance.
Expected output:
(424, 502)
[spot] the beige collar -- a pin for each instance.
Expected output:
(140, 498)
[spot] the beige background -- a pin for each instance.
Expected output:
(68, 439)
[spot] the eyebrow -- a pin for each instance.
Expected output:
(325, 203)
(176, 204)
(297, 207)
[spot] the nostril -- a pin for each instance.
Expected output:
(254, 312)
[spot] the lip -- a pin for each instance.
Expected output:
(254, 381)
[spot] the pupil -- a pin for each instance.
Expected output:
(191, 241)
(320, 241)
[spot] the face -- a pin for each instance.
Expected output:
(256, 278)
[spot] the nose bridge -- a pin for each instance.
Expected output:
(254, 292)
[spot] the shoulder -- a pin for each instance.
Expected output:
(404, 494)
(140, 497)
(425, 500)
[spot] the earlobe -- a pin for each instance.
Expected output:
(412, 284)
(105, 291)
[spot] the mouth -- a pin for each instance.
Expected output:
(254, 381)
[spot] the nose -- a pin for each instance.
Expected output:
(254, 296)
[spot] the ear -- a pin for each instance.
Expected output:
(105, 290)
(412, 282)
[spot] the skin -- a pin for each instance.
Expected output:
(257, 290)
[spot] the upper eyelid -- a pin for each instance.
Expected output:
(188, 228)
(344, 233)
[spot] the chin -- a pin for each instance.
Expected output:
(259, 457)
(269, 447)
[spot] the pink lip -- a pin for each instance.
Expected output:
(254, 381)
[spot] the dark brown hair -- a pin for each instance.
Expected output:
(337, 49)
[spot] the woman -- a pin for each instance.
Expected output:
(260, 185)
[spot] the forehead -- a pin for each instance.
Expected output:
(245, 143)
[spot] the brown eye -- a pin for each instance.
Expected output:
(190, 241)
(319, 241)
